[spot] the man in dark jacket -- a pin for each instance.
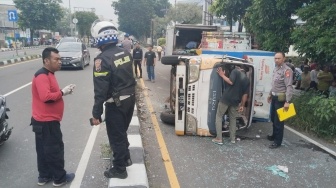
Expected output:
(137, 58)
(48, 107)
(114, 84)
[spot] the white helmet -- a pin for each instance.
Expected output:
(104, 32)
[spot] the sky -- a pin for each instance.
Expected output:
(102, 7)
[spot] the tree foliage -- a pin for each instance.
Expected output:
(39, 14)
(161, 7)
(316, 38)
(134, 18)
(63, 25)
(270, 21)
(85, 19)
(185, 13)
(232, 10)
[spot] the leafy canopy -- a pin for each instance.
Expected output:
(37, 15)
(135, 16)
(85, 19)
(316, 38)
(232, 10)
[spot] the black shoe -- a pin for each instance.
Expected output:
(274, 146)
(68, 179)
(43, 181)
(270, 138)
(128, 162)
(114, 173)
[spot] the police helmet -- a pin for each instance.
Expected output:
(126, 35)
(104, 32)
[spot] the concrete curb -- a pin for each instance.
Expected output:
(22, 48)
(20, 59)
(137, 175)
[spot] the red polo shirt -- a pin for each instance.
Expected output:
(47, 102)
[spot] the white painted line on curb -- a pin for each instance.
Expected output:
(18, 63)
(15, 90)
(312, 141)
(76, 183)
(135, 121)
(135, 140)
(137, 176)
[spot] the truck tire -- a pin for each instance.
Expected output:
(170, 60)
(168, 118)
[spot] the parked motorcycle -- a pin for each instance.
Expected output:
(5, 131)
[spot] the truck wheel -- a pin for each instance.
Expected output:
(168, 118)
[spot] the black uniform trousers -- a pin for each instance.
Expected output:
(50, 150)
(278, 126)
(137, 63)
(117, 122)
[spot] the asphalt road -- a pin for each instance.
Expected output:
(200, 163)
(196, 160)
(18, 157)
(12, 54)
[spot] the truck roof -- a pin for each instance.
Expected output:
(196, 27)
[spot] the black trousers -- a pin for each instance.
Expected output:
(117, 122)
(159, 55)
(50, 150)
(278, 127)
(137, 63)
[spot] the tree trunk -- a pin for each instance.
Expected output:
(32, 31)
(240, 25)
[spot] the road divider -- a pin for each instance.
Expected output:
(20, 59)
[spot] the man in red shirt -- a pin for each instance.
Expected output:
(47, 112)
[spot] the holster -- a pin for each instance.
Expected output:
(116, 98)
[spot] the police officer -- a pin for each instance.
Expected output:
(280, 96)
(114, 84)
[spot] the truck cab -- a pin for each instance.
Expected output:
(196, 87)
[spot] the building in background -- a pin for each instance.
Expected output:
(7, 28)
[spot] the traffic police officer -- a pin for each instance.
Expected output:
(280, 96)
(114, 84)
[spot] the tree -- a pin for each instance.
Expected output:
(85, 19)
(134, 18)
(233, 10)
(63, 25)
(161, 7)
(316, 38)
(270, 22)
(184, 13)
(38, 15)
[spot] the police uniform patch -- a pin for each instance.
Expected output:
(287, 73)
(98, 65)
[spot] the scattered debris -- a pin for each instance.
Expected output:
(279, 170)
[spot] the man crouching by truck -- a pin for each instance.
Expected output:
(235, 93)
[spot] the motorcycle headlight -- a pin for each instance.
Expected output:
(194, 66)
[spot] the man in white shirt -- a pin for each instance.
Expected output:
(313, 78)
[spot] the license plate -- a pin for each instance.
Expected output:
(181, 102)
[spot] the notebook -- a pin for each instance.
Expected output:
(284, 115)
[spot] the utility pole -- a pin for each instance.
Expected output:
(70, 18)
(152, 26)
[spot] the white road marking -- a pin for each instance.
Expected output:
(312, 141)
(85, 158)
(15, 90)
